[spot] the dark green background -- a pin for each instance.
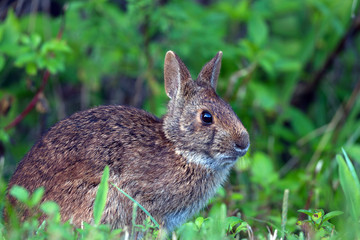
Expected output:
(290, 71)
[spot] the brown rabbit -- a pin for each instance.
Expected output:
(171, 166)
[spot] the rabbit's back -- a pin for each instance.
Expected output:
(97, 136)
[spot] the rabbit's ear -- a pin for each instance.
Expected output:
(210, 72)
(175, 74)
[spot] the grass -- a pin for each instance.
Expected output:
(216, 225)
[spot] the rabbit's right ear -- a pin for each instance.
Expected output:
(175, 74)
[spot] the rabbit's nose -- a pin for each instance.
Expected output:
(243, 142)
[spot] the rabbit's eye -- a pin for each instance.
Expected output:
(206, 117)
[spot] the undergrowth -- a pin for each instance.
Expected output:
(217, 224)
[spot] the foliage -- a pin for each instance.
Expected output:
(319, 221)
(22, 195)
(51, 228)
(28, 50)
(289, 70)
(215, 226)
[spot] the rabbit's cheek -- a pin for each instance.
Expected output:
(187, 128)
(210, 137)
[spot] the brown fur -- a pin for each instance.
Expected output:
(171, 166)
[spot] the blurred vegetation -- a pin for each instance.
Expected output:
(290, 71)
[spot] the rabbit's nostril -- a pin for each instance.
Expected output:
(238, 146)
(241, 146)
(243, 142)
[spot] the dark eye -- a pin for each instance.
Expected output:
(206, 117)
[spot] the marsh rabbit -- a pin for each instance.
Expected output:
(172, 166)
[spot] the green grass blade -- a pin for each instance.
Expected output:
(140, 206)
(351, 169)
(350, 185)
(101, 195)
(285, 206)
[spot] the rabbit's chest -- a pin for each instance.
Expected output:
(203, 194)
(177, 218)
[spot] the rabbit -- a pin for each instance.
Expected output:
(171, 165)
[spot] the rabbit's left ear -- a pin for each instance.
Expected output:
(210, 72)
(175, 74)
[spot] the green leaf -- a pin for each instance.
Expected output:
(248, 49)
(199, 221)
(51, 209)
(288, 65)
(262, 169)
(317, 217)
(328, 227)
(257, 29)
(20, 193)
(309, 212)
(25, 58)
(32, 42)
(100, 199)
(300, 122)
(31, 68)
(10, 33)
(332, 214)
(55, 46)
(237, 196)
(35, 40)
(25, 39)
(36, 196)
(188, 231)
(233, 221)
(4, 136)
(242, 227)
(350, 185)
(267, 59)
(265, 96)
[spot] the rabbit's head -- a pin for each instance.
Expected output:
(202, 126)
